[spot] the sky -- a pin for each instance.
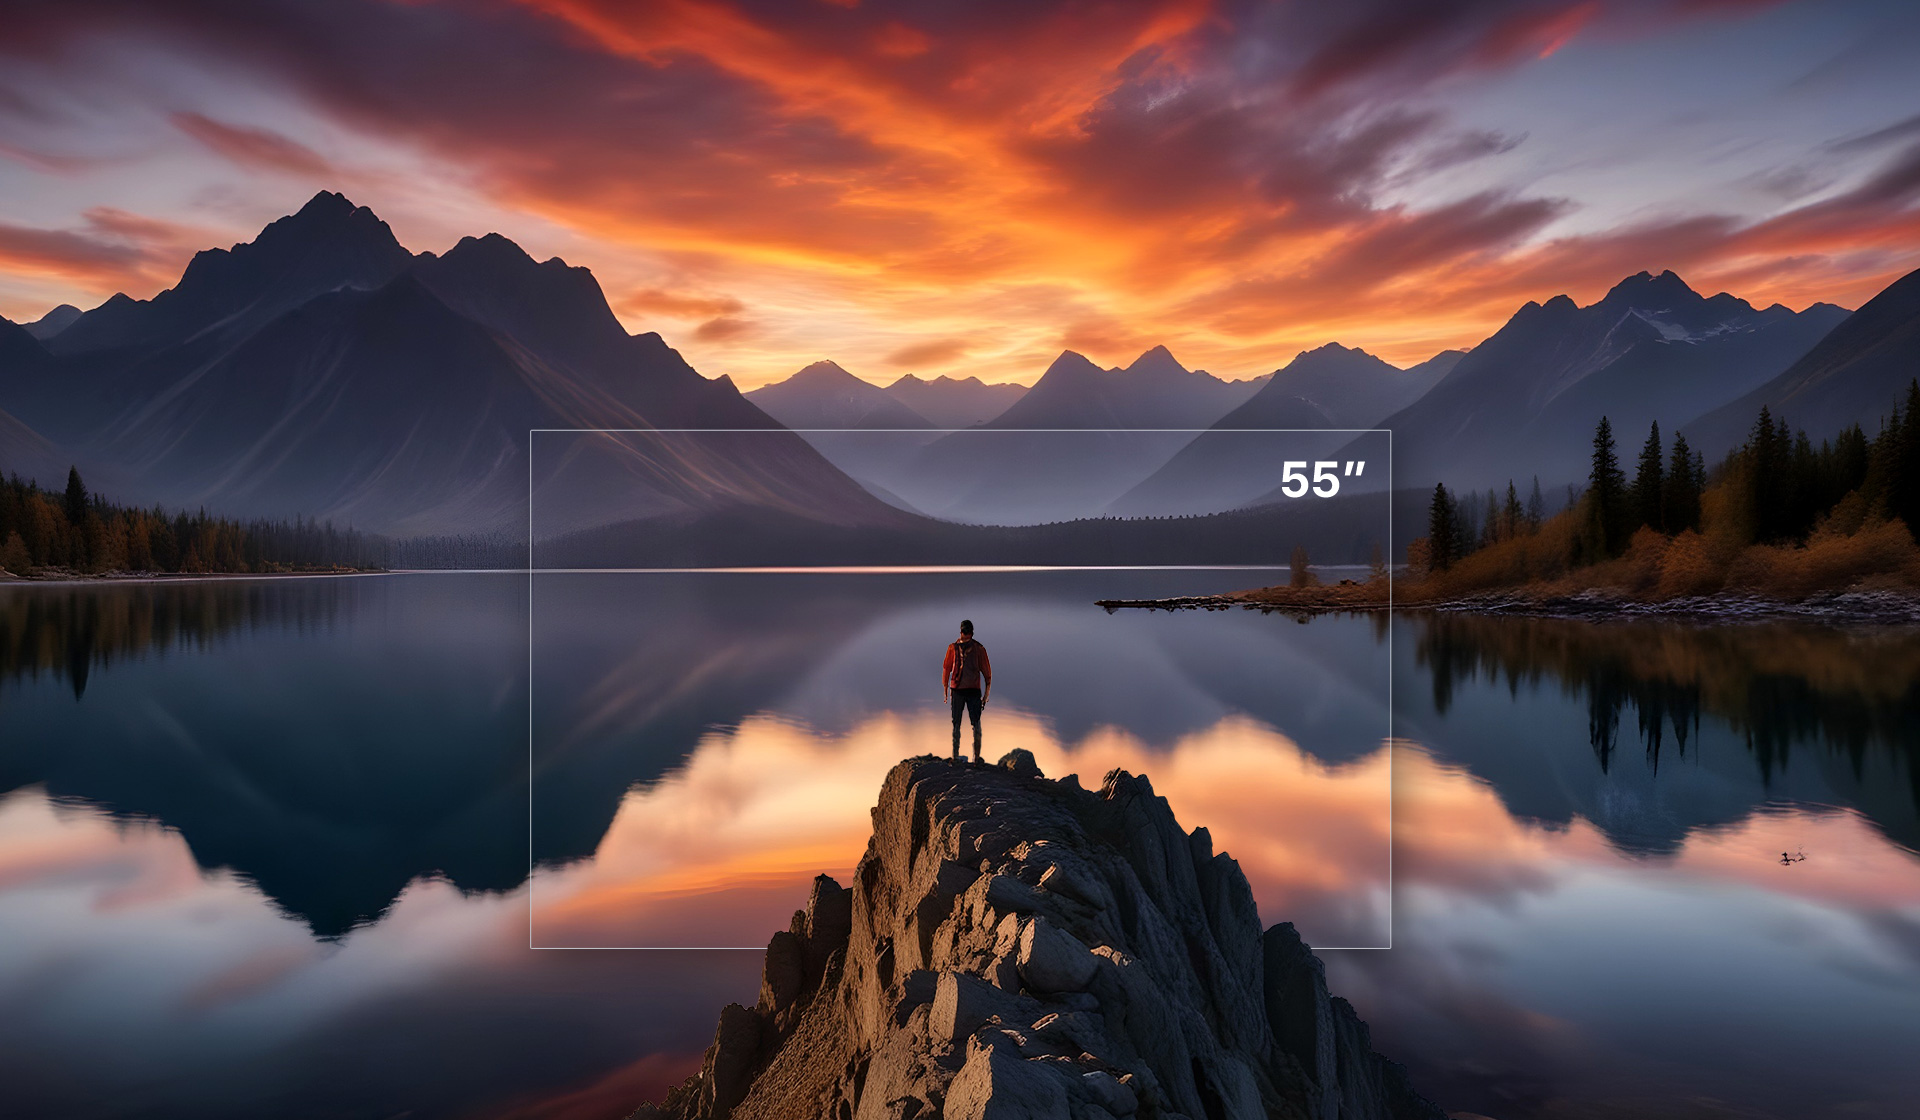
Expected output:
(967, 187)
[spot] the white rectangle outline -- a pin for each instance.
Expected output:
(531, 570)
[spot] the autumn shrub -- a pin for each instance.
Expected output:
(1828, 561)
(1688, 567)
(13, 555)
(1641, 565)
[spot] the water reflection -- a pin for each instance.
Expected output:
(1540, 972)
(282, 830)
(716, 852)
(134, 983)
(326, 741)
(752, 716)
(67, 631)
(1652, 730)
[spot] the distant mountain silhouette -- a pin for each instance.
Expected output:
(1078, 439)
(53, 322)
(28, 454)
(956, 402)
(329, 244)
(323, 370)
(1332, 387)
(1525, 401)
(22, 357)
(825, 396)
(1349, 387)
(1856, 374)
(24, 451)
(1156, 391)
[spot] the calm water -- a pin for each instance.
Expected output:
(271, 847)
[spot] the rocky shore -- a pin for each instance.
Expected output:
(1853, 608)
(1014, 947)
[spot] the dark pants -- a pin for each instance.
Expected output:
(967, 700)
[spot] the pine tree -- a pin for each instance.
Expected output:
(1536, 506)
(76, 504)
(1513, 517)
(1606, 496)
(1441, 528)
(1681, 503)
(1649, 486)
(1903, 479)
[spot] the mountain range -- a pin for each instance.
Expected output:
(1075, 441)
(1853, 375)
(324, 370)
(1525, 401)
(956, 402)
(824, 396)
(1242, 455)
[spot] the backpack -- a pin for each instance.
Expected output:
(965, 673)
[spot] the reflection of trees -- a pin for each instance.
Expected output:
(69, 631)
(1783, 687)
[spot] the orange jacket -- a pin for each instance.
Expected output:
(952, 670)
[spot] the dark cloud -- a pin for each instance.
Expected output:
(254, 147)
(1878, 138)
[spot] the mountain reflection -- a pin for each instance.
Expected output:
(1837, 707)
(330, 741)
(333, 741)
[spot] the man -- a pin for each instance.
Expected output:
(966, 679)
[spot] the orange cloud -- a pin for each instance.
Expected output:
(932, 352)
(113, 250)
(1229, 179)
(656, 301)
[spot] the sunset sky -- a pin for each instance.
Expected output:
(969, 187)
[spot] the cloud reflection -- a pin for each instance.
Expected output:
(720, 851)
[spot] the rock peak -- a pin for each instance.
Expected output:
(1642, 287)
(1020, 947)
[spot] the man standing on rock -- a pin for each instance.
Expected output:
(966, 680)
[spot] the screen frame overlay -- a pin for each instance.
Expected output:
(1388, 742)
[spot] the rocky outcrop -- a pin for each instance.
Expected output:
(1014, 947)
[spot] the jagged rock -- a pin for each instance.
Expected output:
(1014, 948)
(1019, 761)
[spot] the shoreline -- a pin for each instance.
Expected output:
(1852, 607)
(67, 579)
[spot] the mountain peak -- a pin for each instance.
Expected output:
(53, 322)
(824, 371)
(492, 250)
(327, 203)
(329, 215)
(1158, 360)
(1070, 362)
(1643, 288)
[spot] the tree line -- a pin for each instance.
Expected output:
(1778, 490)
(78, 531)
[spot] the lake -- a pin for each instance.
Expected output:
(282, 846)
